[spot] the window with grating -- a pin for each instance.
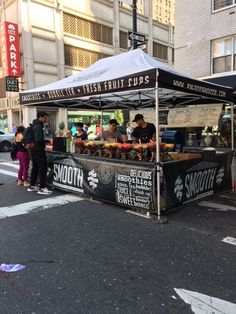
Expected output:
(160, 51)
(87, 29)
(81, 58)
(123, 40)
(219, 4)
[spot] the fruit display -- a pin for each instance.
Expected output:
(125, 151)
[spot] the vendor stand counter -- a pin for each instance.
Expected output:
(132, 183)
(127, 183)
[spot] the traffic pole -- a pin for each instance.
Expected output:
(134, 10)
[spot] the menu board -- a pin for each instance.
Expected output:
(135, 189)
(194, 116)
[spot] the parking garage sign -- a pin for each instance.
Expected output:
(9, 39)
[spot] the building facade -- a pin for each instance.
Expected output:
(164, 11)
(60, 37)
(205, 39)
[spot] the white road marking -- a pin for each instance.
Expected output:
(138, 214)
(8, 173)
(221, 207)
(25, 208)
(9, 164)
(204, 304)
(229, 197)
(230, 240)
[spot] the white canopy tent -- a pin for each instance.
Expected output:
(129, 80)
(123, 79)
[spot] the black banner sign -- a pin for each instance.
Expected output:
(128, 185)
(191, 86)
(142, 80)
(188, 180)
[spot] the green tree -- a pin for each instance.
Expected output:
(118, 114)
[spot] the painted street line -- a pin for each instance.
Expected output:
(229, 197)
(8, 173)
(25, 208)
(230, 240)
(138, 214)
(221, 207)
(204, 304)
(9, 164)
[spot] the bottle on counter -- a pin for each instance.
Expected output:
(72, 147)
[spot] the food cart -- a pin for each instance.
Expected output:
(134, 80)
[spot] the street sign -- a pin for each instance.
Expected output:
(136, 37)
(12, 84)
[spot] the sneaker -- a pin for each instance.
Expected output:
(32, 188)
(44, 191)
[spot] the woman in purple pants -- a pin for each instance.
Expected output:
(23, 157)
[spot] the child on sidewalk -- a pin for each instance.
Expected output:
(22, 156)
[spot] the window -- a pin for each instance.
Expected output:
(235, 54)
(87, 29)
(128, 4)
(224, 55)
(81, 58)
(160, 51)
(219, 4)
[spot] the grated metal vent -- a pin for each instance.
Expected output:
(123, 40)
(160, 51)
(81, 58)
(87, 29)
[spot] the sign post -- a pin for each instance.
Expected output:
(134, 11)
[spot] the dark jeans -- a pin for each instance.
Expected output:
(39, 168)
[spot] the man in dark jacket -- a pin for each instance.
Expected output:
(38, 155)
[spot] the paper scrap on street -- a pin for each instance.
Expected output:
(11, 268)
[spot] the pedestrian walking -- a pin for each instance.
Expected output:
(23, 156)
(38, 156)
(14, 128)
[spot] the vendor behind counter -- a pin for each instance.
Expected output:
(144, 132)
(113, 134)
(80, 133)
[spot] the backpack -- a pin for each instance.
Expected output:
(14, 151)
(28, 137)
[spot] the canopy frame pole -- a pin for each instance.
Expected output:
(101, 111)
(160, 219)
(101, 122)
(232, 143)
(232, 126)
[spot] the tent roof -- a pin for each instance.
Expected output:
(125, 80)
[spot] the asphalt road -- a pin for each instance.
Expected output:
(89, 257)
